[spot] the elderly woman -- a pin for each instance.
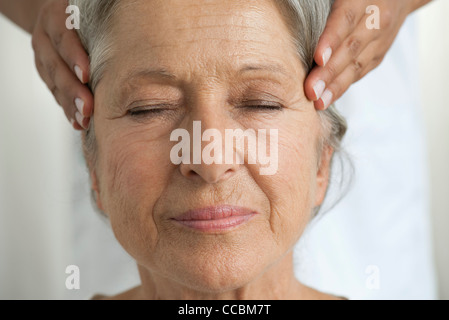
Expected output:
(198, 230)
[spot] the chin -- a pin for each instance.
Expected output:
(223, 271)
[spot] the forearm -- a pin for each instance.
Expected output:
(24, 13)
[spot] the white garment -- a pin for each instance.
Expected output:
(375, 244)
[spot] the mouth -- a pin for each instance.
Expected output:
(215, 218)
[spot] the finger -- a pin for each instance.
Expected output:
(44, 75)
(346, 54)
(36, 40)
(69, 47)
(65, 41)
(68, 91)
(355, 71)
(68, 44)
(52, 87)
(342, 21)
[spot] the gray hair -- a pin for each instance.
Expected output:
(306, 20)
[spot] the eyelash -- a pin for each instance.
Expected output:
(264, 107)
(157, 110)
(150, 110)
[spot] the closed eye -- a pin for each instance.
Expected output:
(148, 111)
(262, 106)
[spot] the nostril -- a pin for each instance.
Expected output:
(192, 174)
(228, 173)
(209, 173)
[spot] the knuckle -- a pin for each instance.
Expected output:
(55, 92)
(377, 60)
(34, 42)
(340, 38)
(380, 58)
(331, 70)
(51, 69)
(357, 66)
(354, 45)
(349, 17)
(39, 65)
(57, 40)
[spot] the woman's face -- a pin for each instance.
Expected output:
(230, 65)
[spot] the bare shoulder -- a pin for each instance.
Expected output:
(313, 294)
(131, 294)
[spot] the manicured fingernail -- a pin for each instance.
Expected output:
(79, 73)
(80, 105)
(327, 98)
(327, 55)
(79, 119)
(72, 122)
(319, 88)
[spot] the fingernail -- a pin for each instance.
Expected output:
(327, 55)
(79, 73)
(327, 98)
(319, 88)
(72, 122)
(79, 119)
(80, 105)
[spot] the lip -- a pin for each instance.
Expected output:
(215, 218)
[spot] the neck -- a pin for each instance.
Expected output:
(276, 282)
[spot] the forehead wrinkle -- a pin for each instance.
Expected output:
(190, 15)
(250, 41)
(185, 16)
(216, 33)
(207, 9)
(195, 22)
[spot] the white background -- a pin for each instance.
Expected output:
(434, 69)
(43, 183)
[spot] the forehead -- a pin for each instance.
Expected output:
(208, 34)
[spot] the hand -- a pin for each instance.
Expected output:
(348, 49)
(63, 63)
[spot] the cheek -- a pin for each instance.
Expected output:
(133, 176)
(133, 162)
(134, 170)
(291, 191)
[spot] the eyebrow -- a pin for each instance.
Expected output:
(151, 73)
(162, 73)
(273, 68)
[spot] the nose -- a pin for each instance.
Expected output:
(209, 173)
(209, 160)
